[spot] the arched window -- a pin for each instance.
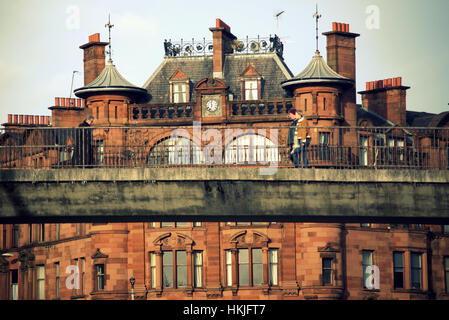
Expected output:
(251, 149)
(175, 151)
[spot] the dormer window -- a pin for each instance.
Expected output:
(251, 90)
(251, 83)
(179, 87)
(179, 93)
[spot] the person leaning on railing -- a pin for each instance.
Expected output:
(83, 155)
(298, 138)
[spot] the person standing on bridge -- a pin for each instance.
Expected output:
(83, 155)
(298, 138)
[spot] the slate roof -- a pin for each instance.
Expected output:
(318, 71)
(419, 119)
(376, 120)
(271, 68)
(109, 80)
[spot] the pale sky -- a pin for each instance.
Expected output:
(40, 41)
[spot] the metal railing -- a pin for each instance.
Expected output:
(128, 147)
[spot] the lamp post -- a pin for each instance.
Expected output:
(132, 281)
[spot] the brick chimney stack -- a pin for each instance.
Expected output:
(340, 49)
(222, 42)
(94, 57)
(387, 98)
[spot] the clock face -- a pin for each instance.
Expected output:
(211, 105)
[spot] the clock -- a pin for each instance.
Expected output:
(211, 105)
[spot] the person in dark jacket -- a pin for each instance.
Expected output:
(83, 155)
(298, 138)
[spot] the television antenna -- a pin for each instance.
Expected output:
(109, 26)
(316, 16)
(277, 15)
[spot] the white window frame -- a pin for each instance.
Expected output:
(251, 87)
(40, 278)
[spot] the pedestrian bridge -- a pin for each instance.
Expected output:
(223, 194)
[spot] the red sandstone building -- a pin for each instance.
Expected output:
(240, 85)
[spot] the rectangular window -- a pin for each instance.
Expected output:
(100, 151)
(100, 277)
(181, 269)
(228, 268)
(365, 225)
(305, 105)
(273, 260)
(257, 267)
(153, 269)
(324, 103)
(30, 233)
(58, 231)
(398, 269)
(179, 93)
(15, 237)
(446, 274)
(251, 90)
(326, 266)
(41, 232)
(446, 228)
(363, 152)
(166, 224)
(243, 267)
(40, 282)
(4, 236)
(57, 280)
(416, 269)
(167, 269)
(324, 153)
(82, 274)
(181, 224)
(197, 269)
(14, 284)
(197, 224)
(367, 260)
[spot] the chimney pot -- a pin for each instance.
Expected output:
(94, 37)
(334, 26)
(78, 103)
(72, 102)
(67, 102)
(42, 120)
(16, 118)
(47, 120)
(36, 119)
(20, 119)
(385, 83)
(57, 102)
(399, 81)
(367, 86)
(389, 82)
(31, 119)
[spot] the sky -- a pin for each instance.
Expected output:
(40, 41)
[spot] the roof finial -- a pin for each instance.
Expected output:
(109, 26)
(316, 16)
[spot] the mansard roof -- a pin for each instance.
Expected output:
(271, 68)
(108, 81)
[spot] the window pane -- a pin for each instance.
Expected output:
(167, 261)
(446, 273)
(273, 259)
(181, 268)
(257, 255)
(416, 270)
(166, 224)
(243, 267)
(398, 259)
(229, 268)
(367, 258)
(182, 224)
(198, 264)
(398, 269)
(257, 267)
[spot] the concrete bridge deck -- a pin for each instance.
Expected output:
(223, 194)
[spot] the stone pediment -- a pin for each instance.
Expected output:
(249, 238)
(98, 255)
(176, 239)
